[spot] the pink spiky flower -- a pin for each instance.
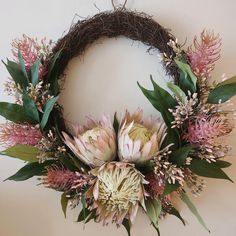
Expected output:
(205, 53)
(62, 179)
(203, 130)
(12, 134)
(31, 51)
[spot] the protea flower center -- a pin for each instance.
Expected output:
(139, 132)
(117, 192)
(92, 135)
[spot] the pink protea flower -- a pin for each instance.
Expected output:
(139, 140)
(203, 130)
(31, 51)
(93, 143)
(12, 134)
(205, 53)
(64, 180)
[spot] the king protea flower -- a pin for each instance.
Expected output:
(94, 143)
(12, 134)
(117, 192)
(140, 140)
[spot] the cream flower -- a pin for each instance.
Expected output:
(117, 192)
(94, 143)
(140, 140)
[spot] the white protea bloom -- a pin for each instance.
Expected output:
(117, 191)
(93, 143)
(140, 140)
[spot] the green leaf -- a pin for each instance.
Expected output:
(169, 188)
(222, 164)
(30, 107)
(52, 75)
(84, 206)
(153, 207)
(35, 72)
(14, 112)
(22, 152)
(126, 224)
(179, 156)
(162, 101)
(86, 215)
(16, 73)
(178, 92)
(47, 110)
(53, 67)
(30, 170)
(175, 212)
(157, 229)
(223, 91)
(115, 123)
(206, 169)
(64, 203)
(188, 81)
(22, 64)
(193, 209)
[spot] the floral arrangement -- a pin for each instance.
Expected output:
(113, 168)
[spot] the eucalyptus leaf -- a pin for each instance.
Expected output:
(153, 207)
(206, 169)
(188, 81)
(116, 123)
(64, 203)
(14, 113)
(30, 107)
(23, 152)
(170, 187)
(222, 93)
(35, 72)
(126, 224)
(16, 73)
(222, 164)
(30, 170)
(193, 209)
(180, 155)
(176, 213)
(178, 92)
(22, 64)
(47, 110)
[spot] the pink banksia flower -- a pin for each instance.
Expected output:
(93, 143)
(12, 134)
(203, 130)
(204, 53)
(62, 179)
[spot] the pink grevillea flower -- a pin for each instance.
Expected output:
(203, 130)
(205, 53)
(31, 50)
(64, 180)
(93, 143)
(140, 140)
(12, 134)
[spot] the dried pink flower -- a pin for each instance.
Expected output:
(203, 130)
(64, 180)
(205, 53)
(12, 134)
(31, 51)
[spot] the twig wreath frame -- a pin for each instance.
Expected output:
(113, 169)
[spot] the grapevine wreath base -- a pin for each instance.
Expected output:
(115, 167)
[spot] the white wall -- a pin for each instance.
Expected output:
(27, 209)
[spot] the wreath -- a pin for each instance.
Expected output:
(115, 167)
